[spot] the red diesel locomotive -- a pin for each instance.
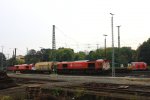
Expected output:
(89, 67)
(21, 68)
(139, 66)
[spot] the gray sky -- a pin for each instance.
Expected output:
(80, 24)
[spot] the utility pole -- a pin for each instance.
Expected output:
(14, 52)
(97, 46)
(105, 44)
(113, 51)
(27, 51)
(88, 46)
(7, 56)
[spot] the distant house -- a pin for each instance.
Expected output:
(20, 57)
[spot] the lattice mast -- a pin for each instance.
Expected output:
(53, 39)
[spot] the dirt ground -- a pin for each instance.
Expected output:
(18, 86)
(5, 81)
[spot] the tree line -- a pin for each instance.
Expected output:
(123, 55)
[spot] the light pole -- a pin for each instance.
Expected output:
(118, 45)
(118, 36)
(105, 44)
(113, 51)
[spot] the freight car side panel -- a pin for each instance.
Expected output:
(78, 65)
(11, 68)
(23, 67)
(62, 65)
(72, 65)
(95, 65)
(44, 66)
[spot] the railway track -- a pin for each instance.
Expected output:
(140, 74)
(143, 74)
(114, 88)
(120, 72)
(118, 90)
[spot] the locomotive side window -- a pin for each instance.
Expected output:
(91, 65)
(27, 67)
(17, 67)
(64, 65)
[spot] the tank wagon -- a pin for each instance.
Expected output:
(44, 67)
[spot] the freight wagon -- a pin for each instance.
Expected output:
(23, 68)
(44, 67)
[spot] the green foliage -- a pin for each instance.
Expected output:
(92, 55)
(65, 54)
(32, 57)
(143, 52)
(47, 54)
(11, 61)
(14, 61)
(6, 98)
(20, 61)
(123, 55)
(80, 56)
(2, 61)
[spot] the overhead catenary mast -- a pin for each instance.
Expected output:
(53, 50)
(53, 39)
(119, 61)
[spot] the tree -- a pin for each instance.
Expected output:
(65, 54)
(20, 61)
(124, 56)
(2, 61)
(32, 57)
(143, 52)
(92, 55)
(48, 54)
(80, 56)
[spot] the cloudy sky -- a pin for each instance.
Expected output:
(80, 24)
